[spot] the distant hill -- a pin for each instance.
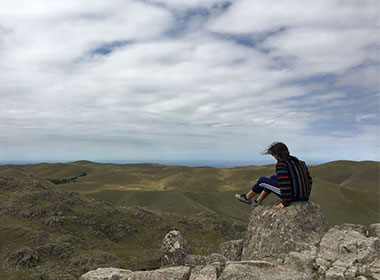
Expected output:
(348, 191)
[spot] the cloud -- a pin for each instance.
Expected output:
(187, 79)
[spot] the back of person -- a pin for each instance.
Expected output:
(294, 179)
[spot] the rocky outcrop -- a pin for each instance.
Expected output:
(346, 252)
(288, 244)
(272, 234)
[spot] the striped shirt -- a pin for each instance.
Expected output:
(294, 180)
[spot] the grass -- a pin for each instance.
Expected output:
(348, 191)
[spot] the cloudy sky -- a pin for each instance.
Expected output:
(188, 80)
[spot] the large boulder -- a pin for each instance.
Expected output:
(272, 233)
(174, 249)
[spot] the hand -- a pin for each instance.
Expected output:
(279, 206)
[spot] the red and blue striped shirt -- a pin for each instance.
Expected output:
(294, 180)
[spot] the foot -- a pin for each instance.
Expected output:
(256, 203)
(242, 198)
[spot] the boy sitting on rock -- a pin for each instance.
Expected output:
(292, 181)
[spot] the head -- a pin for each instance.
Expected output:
(278, 150)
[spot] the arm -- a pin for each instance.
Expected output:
(284, 182)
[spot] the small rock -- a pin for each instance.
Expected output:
(195, 260)
(174, 249)
(213, 258)
(232, 250)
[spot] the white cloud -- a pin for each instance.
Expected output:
(191, 94)
(246, 16)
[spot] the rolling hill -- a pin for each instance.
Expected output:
(50, 233)
(347, 191)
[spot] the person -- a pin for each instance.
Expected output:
(291, 183)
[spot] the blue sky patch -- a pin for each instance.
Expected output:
(107, 48)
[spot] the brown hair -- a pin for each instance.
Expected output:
(279, 149)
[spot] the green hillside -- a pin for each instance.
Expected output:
(50, 233)
(347, 191)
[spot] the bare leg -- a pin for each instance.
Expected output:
(250, 194)
(263, 195)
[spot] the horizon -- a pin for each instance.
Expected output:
(189, 163)
(189, 80)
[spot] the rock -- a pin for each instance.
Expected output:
(350, 273)
(195, 260)
(353, 227)
(374, 268)
(303, 261)
(345, 252)
(208, 272)
(23, 259)
(374, 230)
(335, 273)
(216, 258)
(272, 233)
(260, 270)
(172, 273)
(105, 274)
(348, 246)
(174, 249)
(232, 250)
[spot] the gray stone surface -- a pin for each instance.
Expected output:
(260, 270)
(168, 273)
(345, 252)
(303, 261)
(272, 234)
(105, 274)
(208, 272)
(174, 249)
(232, 250)
(374, 230)
(216, 258)
(195, 260)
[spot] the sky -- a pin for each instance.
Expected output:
(189, 81)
